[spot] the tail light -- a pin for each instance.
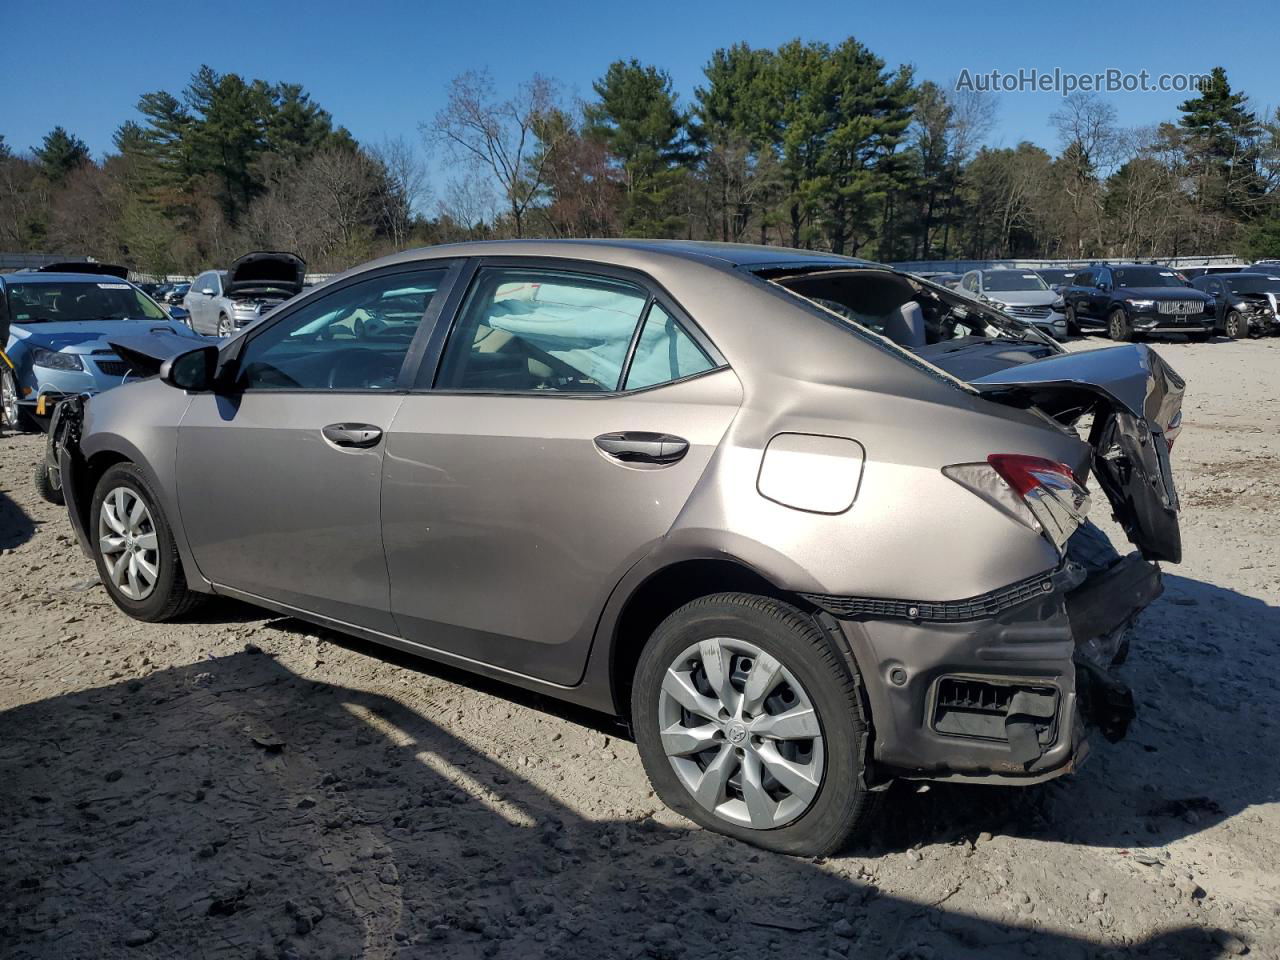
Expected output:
(1041, 494)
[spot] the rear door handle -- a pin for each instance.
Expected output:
(352, 434)
(637, 446)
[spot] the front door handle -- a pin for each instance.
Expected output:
(636, 446)
(352, 434)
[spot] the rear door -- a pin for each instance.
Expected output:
(571, 413)
(279, 479)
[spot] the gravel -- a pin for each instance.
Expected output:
(245, 785)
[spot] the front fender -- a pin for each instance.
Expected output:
(139, 422)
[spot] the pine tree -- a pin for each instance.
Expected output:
(637, 117)
(60, 154)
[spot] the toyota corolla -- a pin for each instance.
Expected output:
(805, 524)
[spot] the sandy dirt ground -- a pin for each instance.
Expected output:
(244, 785)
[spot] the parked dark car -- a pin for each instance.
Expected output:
(1246, 302)
(1057, 278)
(499, 484)
(1192, 273)
(175, 293)
(1125, 301)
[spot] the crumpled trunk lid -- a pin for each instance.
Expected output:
(1136, 402)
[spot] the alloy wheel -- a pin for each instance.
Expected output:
(741, 733)
(128, 543)
(8, 400)
(224, 327)
(1233, 325)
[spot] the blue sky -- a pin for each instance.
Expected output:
(381, 68)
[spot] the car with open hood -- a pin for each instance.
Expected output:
(700, 487)
(1246, 304)
(1020, 293)
(220, 302)
(1128, 301)
(56, 328)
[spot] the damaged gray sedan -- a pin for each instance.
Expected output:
(805, 524)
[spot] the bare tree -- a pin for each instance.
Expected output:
(405, 190)
(970, 116)
(499, 136)
(467, 208)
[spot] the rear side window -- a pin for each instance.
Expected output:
(537, 330)
(664, 352)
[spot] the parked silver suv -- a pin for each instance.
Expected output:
(805, 523)
(220, 302)
(1022, 294)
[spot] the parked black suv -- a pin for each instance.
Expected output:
(1127, 300)
(1248, 304)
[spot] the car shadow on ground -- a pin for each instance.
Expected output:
(233, 809)
(1202, 665)
(16, 525)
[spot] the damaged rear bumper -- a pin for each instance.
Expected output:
(1000, 688)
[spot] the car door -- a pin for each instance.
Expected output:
(194, 304)
(1100, 296)
(1077, 294)
(1215, 289)
(204, 293)
(279, 473)
(571, 413)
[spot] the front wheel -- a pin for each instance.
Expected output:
(749, 723)
(225, 329)
(134, 548)
(48, 485)
(1118, 327)
(1236, 327)
(10, 412)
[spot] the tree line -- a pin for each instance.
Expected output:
(807, 145)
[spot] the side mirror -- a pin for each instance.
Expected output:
(207, 292)
(1104, 286)
(193, 371)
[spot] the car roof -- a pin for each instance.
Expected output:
(746, 255)
(34, 277)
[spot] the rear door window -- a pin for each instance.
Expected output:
(664, 352)
(532, 330)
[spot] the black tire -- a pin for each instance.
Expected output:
(170, 598)
(842, 804)
(42, 477)
(1073, 328)
(1118, 326)
(1235, 326)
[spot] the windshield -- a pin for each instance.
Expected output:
(78, 300)
(1012, 280)
(1253, 283)
(1146, 277)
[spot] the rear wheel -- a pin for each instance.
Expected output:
(134, 548)
(750, 724)
(1236, 327)
(1118, 326)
